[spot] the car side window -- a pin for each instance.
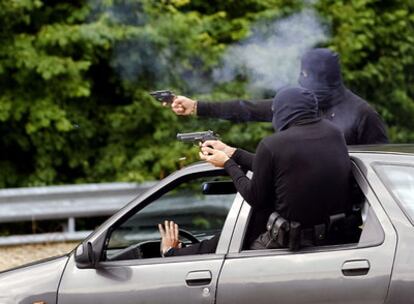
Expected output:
(199, 206)
(399, 179)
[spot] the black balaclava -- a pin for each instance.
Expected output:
(321, 73)
(293, 105)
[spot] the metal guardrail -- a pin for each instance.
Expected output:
(63, 202)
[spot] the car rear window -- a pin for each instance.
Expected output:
(399, 180)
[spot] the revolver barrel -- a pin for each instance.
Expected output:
(163, 96)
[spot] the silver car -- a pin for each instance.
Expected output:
(120, 261)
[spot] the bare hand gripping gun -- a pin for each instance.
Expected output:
(197, 136)
(166, 96)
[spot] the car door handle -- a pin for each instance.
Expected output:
(197, 278)
(355, 268)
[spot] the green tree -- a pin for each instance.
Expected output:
(74, 77)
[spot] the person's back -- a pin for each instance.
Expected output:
(359, 122)
(302, 172)
(311, 172)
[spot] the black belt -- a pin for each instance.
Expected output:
(291, 234)
(314, 236)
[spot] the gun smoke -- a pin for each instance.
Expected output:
(270, 57)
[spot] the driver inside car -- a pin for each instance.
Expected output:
(171, 245)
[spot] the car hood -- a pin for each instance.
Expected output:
(35, 282)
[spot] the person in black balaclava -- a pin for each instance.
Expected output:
(302, 171)
(320, 73)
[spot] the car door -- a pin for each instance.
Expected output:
(348, 273)
(181, 279)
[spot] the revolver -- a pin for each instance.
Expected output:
(197, 136)
(163, 96)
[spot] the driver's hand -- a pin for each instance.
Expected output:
(169, 236)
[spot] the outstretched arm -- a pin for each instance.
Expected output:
(241, 157)
(258, 191)
(236, 110)
(244, 159)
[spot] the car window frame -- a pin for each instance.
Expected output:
(236, 251)
(225, 236)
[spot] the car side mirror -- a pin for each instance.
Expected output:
(84, 256)
(218, 187)
(88, 253)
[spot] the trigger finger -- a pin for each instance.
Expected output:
(207, 150)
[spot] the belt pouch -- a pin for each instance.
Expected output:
(320, 234)
(294, 236)
(280, 232)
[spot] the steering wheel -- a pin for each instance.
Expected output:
(188, 235)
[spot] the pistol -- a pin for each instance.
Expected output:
(163, 96)
(197, 136)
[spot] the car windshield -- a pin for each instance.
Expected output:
(400, 182)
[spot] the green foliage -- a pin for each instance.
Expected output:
(74, 77)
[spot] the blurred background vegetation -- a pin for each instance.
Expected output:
(75, 76)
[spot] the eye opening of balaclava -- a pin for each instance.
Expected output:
(292, 105)
(321, 73)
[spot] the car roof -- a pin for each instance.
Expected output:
(383, 149)
(405, 149)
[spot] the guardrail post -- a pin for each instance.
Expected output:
(71, 225)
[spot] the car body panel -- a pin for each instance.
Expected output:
(127, 281)
(309, 276)
(157, 280)
(36, 282)
(402, 280)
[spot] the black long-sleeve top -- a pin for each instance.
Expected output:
(302, 172)
(357, 120)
